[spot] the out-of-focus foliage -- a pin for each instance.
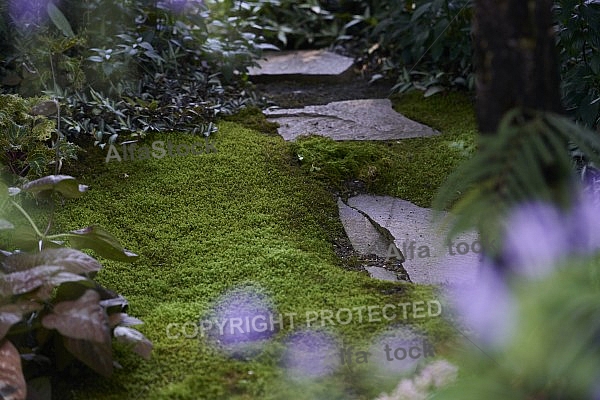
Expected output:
(52, 310)
(579, 45)
(128, 66)
(28, 137)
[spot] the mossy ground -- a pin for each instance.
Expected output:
(244, 216)
(412, 169)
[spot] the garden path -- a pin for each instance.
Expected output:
(320, 94)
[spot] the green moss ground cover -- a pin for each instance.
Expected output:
(204, 225)
(411, 169)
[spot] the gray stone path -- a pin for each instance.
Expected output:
(427, 259)
(305, 66)
(367, 119)
(372, 223)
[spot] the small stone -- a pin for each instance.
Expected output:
(382, 274)
(305, 66)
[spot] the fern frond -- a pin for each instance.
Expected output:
(526, 160)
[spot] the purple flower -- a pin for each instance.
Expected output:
(536, 239)
(487, 307)
(584, 225)
(538, 236)
(25, 13)
(399, 351)
(310, 354)
(241, 321)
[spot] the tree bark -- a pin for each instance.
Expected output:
(515, 61)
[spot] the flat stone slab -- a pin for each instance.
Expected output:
(365, 238)
(428, 260)
(382, 274)
(304, 65)
(367, 119)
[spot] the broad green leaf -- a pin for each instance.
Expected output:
(64, 184)
(433, 90)
(59, 20)
(102, 242)
(12, 381)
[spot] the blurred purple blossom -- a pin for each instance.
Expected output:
(536, 238)
(391, 355)
(487, 307)
(539, 236)
(241, 321)
(25, 13)
(584, 225)
(311, 354)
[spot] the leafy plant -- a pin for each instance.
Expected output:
(25, 132)
(426, 45)
(579, 44)
(51, 309)
(290, 24)
(129, 67)
(526, 160)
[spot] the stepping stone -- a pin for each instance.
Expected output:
(367, 119)
(382, 274)
(427, 259)
(366, 239)
(305, 66)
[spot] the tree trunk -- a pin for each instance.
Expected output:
(515, 59)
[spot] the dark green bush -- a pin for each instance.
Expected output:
(128, 67)
(579, 46)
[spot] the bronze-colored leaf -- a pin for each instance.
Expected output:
(122, 319)
(12, 381)
(72, 260)
(83, 318)
(141, 345)
(97, 356)
(25, 281)
(11, 314)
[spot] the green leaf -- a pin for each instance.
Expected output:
(101, 241)
(64, 184)
(4, 224)
(420, 11)
(433, 90)
(59, 20)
